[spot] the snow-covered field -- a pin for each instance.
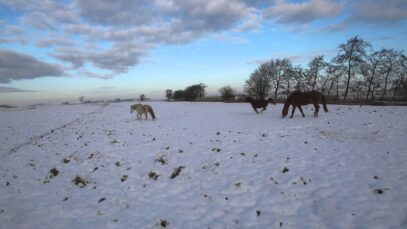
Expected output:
(85, 166)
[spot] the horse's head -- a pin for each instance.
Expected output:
(284, 112)
(132, 108)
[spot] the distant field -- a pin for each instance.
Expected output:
(203, 165)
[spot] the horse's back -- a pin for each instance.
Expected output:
(304, 98)
(259, 103)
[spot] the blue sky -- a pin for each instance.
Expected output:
(59, 50)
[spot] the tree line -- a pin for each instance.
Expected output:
(357, 72)
(190, 93)
(357, 69)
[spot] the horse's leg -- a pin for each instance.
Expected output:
(292, 112)
(255, 110)
(316, 109)
(264, 108)
(299, 107)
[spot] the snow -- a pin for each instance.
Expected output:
(24, 124)
(344, 169)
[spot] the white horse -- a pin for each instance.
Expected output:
(142, 109)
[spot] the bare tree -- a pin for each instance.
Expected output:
(178, 95)
(298, 77)
(288, 80)
(333, 72)
(369, 71)
(388, 60)
(279, 69)
(259, 83)
(315, 65)
(194, 92)
(401, 71)
(142, 97)
(351, 55)
(169, 94)
(227, 93)
(81, 99)
(357, 87)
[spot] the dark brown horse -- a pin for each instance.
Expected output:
(297, 99)
(261, 103)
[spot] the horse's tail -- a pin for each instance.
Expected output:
(323, 100)
(150, 110)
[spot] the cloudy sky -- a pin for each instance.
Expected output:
(59, 50)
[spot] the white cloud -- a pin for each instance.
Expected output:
(49, 42)
(12, 30)
(39, 20)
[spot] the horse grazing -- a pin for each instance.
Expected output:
(261, 103)
(297, 99)
(142, 109)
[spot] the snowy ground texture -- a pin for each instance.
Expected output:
(88, 166)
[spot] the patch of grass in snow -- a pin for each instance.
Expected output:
(161, 159)
(80, 181)
(153, 175)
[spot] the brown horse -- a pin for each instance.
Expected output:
(261, 103)
(297, 99)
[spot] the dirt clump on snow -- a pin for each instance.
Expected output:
(379, 190)
(124, 178)
(285, 170)
(66, 160)
(161, 159)
(177, 171)
(53, 172)
(164, 223)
